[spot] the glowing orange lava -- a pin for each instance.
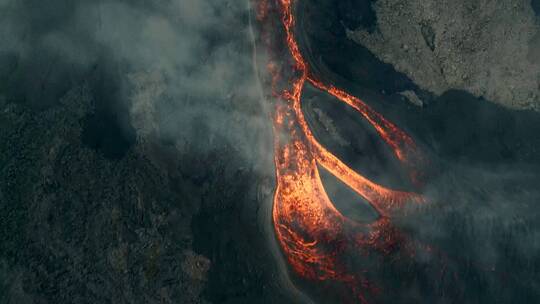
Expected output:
(312, 233)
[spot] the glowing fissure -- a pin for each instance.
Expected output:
(312, 233)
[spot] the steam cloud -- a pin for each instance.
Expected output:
(181, 68)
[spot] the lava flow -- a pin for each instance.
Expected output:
(312, 233)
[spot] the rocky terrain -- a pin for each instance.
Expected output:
(84, 222)
(136, 152)
(135, 164)
(487, 48)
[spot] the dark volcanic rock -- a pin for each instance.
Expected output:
(79, 227)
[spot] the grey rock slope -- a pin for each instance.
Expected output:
(488, 48)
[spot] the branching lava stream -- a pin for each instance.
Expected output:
(312, 233)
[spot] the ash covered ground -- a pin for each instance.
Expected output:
(136, 149)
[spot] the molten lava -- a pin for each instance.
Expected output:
(312, 233)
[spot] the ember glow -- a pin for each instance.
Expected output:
(312, 233)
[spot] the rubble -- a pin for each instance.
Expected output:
(487, 48)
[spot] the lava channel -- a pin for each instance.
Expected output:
(312, 233)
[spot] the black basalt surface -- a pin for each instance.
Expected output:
(536, 6)
(484, 162)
